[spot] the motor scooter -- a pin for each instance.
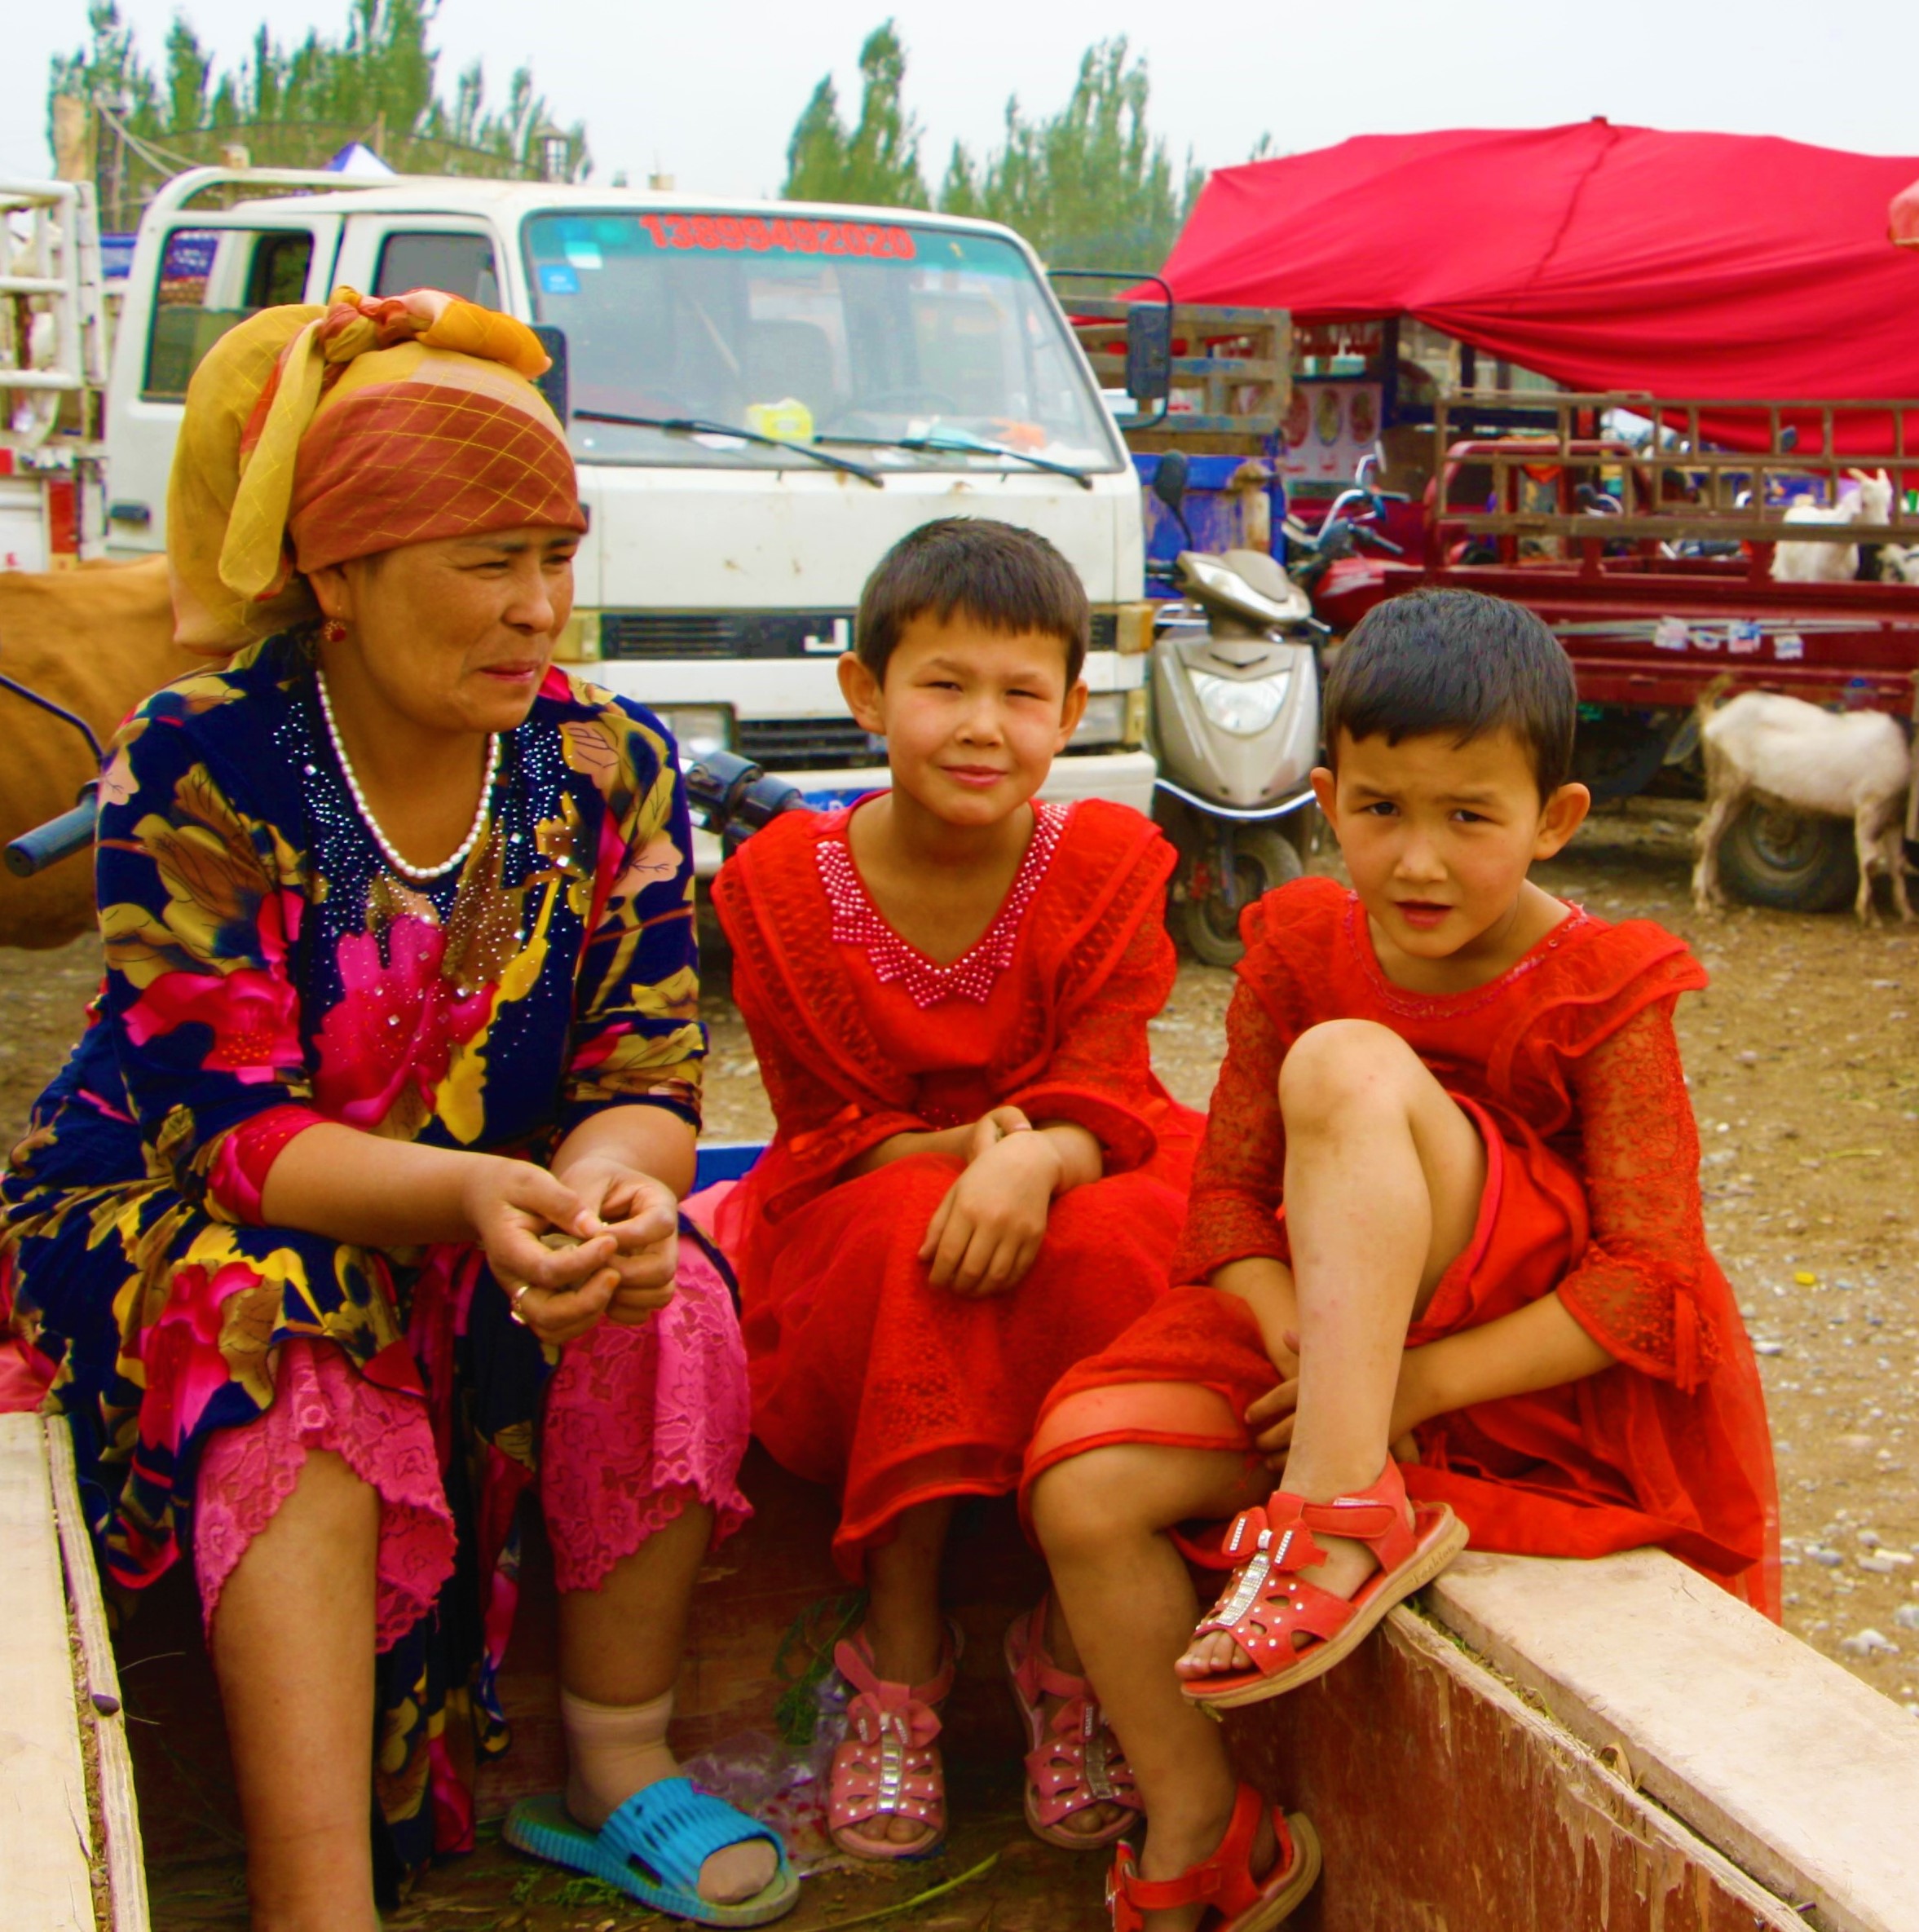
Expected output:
(1235, 680)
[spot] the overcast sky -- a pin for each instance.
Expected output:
(710, 91)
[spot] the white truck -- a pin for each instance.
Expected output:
(927, 355)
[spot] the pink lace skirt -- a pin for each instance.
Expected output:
(639, 1422)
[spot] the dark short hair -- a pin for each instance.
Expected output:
(1434, 663)
(1006, 579)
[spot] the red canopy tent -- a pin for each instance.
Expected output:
(1699, 266)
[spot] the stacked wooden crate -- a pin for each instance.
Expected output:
(1232, 373)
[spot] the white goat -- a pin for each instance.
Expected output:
(1898, 563)
(1795, 757)
(1832, 563)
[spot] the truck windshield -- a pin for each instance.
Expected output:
(802, 327)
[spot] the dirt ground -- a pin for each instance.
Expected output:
(1804, 1063)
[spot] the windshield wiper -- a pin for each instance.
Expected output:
(963, 443)
(699, 425)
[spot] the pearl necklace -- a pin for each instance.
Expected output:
(457, 857)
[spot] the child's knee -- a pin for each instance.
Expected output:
(1339, 1064)
(1086, 1501)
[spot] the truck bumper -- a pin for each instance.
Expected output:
(1124, 777)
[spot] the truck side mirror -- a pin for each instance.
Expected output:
(1149, 352)
(553, 385)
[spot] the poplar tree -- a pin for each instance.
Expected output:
(877, 163)
(1088, 186)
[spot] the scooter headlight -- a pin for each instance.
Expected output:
(1246, 707)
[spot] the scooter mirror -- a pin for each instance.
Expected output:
(1169, 479)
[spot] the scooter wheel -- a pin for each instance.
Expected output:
(1263, 857)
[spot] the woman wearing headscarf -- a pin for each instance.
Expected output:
(353, 1215)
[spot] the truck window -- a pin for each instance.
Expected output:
(210, 280)
(880, 333)
(461, 264)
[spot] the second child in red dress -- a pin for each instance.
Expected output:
(1448, 1215)
(977, 1180)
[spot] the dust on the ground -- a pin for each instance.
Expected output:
(1804, 1063)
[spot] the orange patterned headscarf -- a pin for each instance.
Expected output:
(313, 436)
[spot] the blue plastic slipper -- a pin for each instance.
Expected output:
(652, 1848)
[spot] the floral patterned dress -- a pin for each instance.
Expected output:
(265, 969)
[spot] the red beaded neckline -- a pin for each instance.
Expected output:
(1425, 1006)
(857, 921)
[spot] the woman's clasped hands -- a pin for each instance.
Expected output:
(599, 1242)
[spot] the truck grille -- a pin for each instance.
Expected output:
(665, 633)
(757, 633)
(807, 744)
(725, 633)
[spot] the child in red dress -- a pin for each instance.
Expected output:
(976, 1180)
(1448, 1208)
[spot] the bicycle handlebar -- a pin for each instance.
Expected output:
(58, 838)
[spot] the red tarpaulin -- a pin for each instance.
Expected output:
(1692, 266)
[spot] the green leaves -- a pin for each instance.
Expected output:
(296, 105)
(1088, 186)
(877, 164)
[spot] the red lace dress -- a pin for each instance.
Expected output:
(1569, 1066)
(864, 1375)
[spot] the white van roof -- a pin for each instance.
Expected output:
(508, 200)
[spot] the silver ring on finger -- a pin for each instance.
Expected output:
(519, 1294)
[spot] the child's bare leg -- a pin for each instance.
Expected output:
(1384, 1176)
(1066, 1653)
(1101, 1519)
(904, 1624)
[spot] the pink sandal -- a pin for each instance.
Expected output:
(1074, 1761)
(1268, 1600)
(889, 1765)
(1224, 1882)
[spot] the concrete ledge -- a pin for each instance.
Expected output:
(46, 1841)
(1802, 1775)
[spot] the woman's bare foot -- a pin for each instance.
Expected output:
(1177, 1844)
(733, 1874)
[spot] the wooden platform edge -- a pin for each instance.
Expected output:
(1587, 1776)
(1800, 1774)
(127, 1868)
(46, 1879)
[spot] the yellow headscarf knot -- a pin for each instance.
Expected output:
(250, 406)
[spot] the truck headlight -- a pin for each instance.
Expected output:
(1103, 724)
(1244, 706)
(699, 729)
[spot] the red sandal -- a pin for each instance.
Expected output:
(1269, 1601)
(889, 1765)
(1073, 1762)
(1239, 1901)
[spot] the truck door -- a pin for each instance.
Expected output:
(195, 276)
(388, 254)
